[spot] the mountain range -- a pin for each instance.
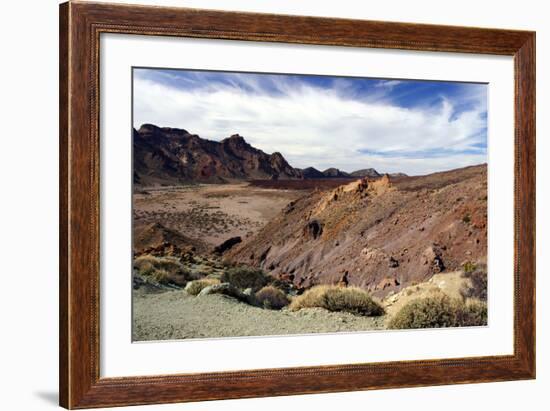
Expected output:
(164, 155)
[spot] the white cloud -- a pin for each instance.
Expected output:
(388, 84)
(318, 127)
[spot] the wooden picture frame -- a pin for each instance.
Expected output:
(80, 27)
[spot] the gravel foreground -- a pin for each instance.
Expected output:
(177, 315)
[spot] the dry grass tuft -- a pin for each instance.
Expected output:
(348, 299)
(162, 270)
(440, 311)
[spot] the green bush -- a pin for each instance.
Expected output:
(468, 267)
(195, 287)
(349, 299)
(244, 277)
(439, 311)
(271, 298)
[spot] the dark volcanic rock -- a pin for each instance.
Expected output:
(172, 156)
(227, 245)
(393, 263)
(313, 229)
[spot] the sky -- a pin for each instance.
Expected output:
(411, 126)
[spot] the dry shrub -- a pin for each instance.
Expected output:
(271, 298)
(161, 276)
(439, 311)
(145, 264)
(314, 297)
(473, 313)
(353, 300)
(478, 283)
(244, 277)
(349, 299)
(162, 270)
(195, 287)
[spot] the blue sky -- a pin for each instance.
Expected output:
(412, 126)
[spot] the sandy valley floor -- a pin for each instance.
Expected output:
(212, 212)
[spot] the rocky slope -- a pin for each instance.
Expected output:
(155, 238)
(380, 235)
(172, 156)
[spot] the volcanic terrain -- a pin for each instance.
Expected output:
(380, 235)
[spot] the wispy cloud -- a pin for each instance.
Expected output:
(392, 125)
(387, 84)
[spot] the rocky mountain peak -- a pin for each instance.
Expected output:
(235, 138)
(170, 155)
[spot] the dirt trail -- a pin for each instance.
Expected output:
(178, 315)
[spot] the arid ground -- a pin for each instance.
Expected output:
(271, 204)
(275, 258)
(211, 212)
(167, 315)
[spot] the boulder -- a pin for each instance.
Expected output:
(432, 256)
(225, 289)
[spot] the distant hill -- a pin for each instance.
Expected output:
(171, 156)
(335, 173)
(366, 172)
(166, 156)
(312, 172)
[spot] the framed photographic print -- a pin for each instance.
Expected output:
(258, 205)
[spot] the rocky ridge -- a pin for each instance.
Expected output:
(173, 156)
(380, 235)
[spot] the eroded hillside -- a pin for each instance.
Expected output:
(380, 235)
